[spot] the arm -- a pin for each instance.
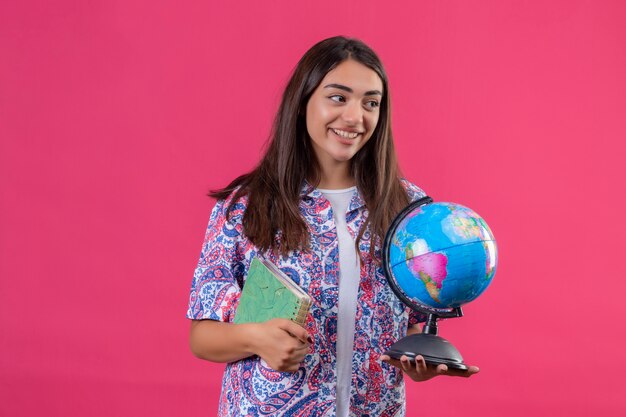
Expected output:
(281, 343)
(213, 299)
(413, 330)
(216, 341)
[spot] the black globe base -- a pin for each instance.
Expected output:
(435, 349)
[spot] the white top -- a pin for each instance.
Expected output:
(349, 277)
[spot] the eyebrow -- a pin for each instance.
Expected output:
(349, 90)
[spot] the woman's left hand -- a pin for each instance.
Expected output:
(420, 371)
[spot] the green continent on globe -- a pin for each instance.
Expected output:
(431, 286)
(465, 225)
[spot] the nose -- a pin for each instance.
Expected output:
(353, 113)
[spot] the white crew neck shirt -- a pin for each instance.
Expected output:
(349, 277)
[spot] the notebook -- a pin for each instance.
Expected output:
(269, 293)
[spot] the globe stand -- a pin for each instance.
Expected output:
(434, 349)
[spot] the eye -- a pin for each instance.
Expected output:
(338, 98)
(372, 104)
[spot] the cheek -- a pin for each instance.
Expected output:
(315, 118)
(371, 122)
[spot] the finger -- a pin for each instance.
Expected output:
(405, 363)
(296, 360)
(294, 368)
(392, 361)
(296, 331)
(420, 364)
(463, 373)
(303, 347)
(442, 370)
(469, 372)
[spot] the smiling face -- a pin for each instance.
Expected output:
(342, 113)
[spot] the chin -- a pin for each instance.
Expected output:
(343, 158)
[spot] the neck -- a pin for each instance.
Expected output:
(336, 177)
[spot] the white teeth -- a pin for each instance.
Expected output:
(344, 134)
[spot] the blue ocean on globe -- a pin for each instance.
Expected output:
(442, 255)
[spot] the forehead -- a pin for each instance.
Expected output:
(354, 75)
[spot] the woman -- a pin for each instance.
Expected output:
(317, 205)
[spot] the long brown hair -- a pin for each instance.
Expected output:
(273, 187)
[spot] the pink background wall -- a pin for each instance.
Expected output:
(117, 116)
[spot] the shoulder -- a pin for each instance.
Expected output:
(413, 191)
(231, 208)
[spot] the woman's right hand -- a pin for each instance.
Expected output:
(282, 344)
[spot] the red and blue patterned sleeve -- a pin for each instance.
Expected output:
(413, 191)
(217, 280)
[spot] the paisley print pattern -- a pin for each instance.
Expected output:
(249, 386)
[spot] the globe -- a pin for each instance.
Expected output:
(437, 257)
(441, 256)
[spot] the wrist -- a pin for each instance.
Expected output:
(248, 337)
